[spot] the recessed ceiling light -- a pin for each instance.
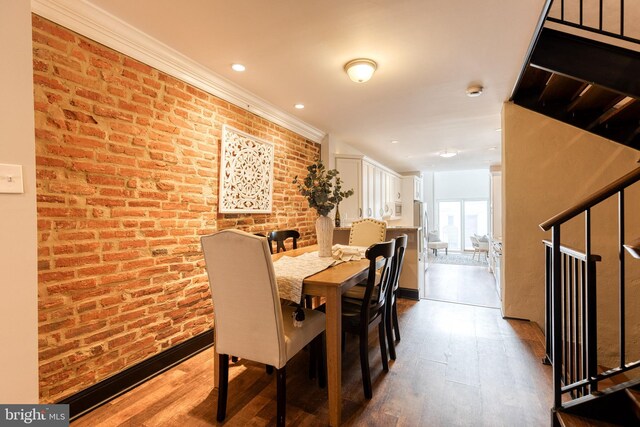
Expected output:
(238, 67)
(492, 148)
(446, 154)
(299, 106)
(395, 141)
(498, 129)
(475, 90)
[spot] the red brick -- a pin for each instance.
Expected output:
(127, 175)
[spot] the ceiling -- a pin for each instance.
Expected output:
(428, 52)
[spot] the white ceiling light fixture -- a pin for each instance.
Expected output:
(298, 106)
(395, 141)
(447, 154)
(238, 67)
(474, 90)
(360, 70)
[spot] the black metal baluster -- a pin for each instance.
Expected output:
(592, 321)
(547, 301)
(583, 285)
(600, 21)
(557, 331)
(621, 279)
(571, 296)
(581, 8)
(622, 18)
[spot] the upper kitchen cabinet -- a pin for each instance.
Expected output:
(413, 187)
(377, 189)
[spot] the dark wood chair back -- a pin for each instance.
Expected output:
(375, 295)
(279, 236)
(391, 315)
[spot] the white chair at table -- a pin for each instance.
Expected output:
(367, 231)
(250, 322)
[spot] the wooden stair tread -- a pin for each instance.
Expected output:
(571, 420)
(634, 248)
(634, 397)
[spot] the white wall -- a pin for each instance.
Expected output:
(466, 184)
(469, 184)
(546, 169)
(18, 248)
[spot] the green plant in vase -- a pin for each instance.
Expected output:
(323, 190)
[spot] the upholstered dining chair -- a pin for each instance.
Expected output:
(360, 316)
(367, 231)
(391, 316)
(480, 245)
(279, 236)
(250, 322)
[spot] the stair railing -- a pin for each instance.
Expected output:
(571, 299)
(569, 9)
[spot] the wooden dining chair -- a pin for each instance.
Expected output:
(250, 322)
(279, 236)
(367, 231)
(391, 316)
(360, 316)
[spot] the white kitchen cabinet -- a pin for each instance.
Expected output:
(374, 189)
(417, 188)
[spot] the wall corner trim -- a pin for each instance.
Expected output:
(102, 27)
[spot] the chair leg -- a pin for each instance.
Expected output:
(364, 364)
(396, 324)
(389, 330)
(282, 395)
(383, 345)
(313, 362)
(223, 384)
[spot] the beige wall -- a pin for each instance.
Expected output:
(18, 305)
(547, 167)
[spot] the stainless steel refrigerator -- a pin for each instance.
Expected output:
(421, 219)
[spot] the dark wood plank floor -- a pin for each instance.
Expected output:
(458, 365)
(463, 284)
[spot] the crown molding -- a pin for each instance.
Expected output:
(95, 23)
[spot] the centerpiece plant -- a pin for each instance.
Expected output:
(322, 188)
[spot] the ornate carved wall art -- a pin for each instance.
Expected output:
(246, 173)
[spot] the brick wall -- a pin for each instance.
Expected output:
(127, 182)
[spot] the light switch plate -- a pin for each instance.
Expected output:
(11, 179)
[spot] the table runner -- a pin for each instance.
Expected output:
(291, 271)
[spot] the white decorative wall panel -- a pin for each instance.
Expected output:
(246, 173)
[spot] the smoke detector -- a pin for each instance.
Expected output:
(474, 90)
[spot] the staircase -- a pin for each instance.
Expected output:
(582, 395)
(617, 406)
(583, 82)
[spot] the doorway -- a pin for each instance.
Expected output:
(459, 219)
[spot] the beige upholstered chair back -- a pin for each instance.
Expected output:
(248, 317)
(367, 231)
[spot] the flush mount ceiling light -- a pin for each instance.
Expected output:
(360, 70)
(474, 90)
(238, 67)
(395, 141)
(298, 106)
(447, 154)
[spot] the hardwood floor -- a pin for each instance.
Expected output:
(463, 284)
(457, 365)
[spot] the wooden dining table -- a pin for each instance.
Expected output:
(330, 284)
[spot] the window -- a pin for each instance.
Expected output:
(460, 219)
